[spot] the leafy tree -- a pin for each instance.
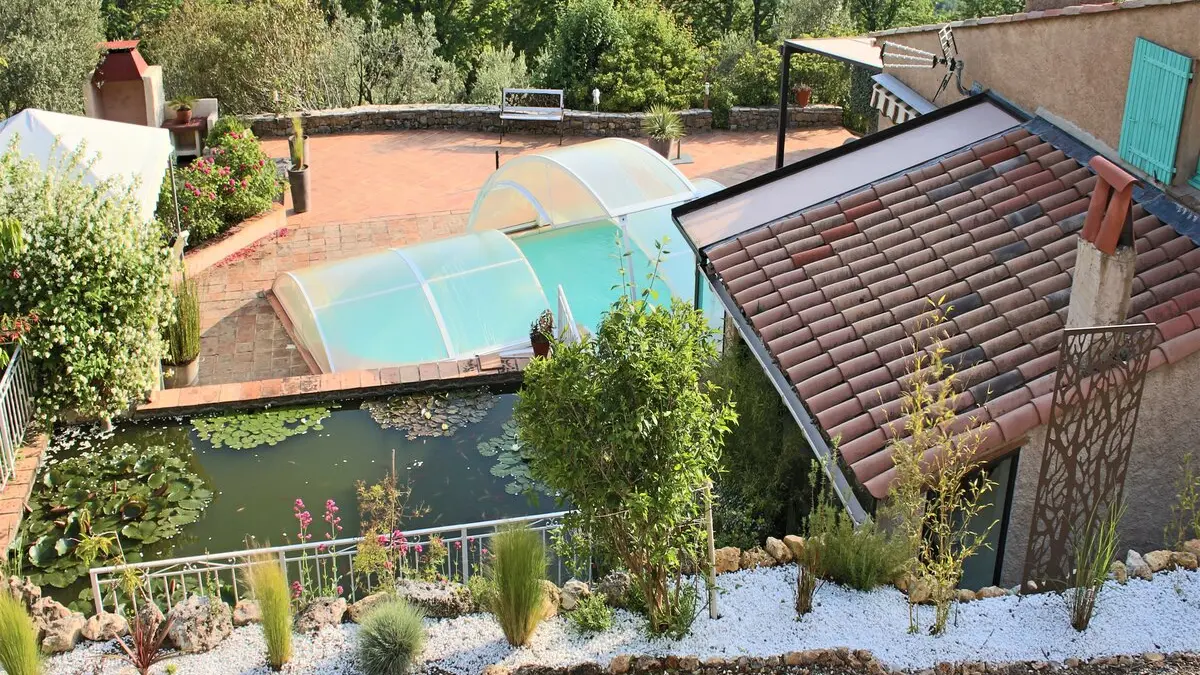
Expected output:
(755, 76)
(498, 69)
(48, 49)
(94, 279)
(532, 25)
(125, 19)
(873, 15)
(654, 60)
(811, 18)
(586, 31)
(624, 427)
(971, 9)
(711, 19)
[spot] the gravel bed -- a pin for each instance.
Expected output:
(758, 619)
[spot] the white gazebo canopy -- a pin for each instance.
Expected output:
(127, 152)
(598, 180)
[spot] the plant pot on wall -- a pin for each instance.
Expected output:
(177, 377)
(540, 332)
(298, 182)
(803, 95)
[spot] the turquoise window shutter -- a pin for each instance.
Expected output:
(1158, 87)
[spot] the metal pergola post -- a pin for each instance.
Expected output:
(785, 65)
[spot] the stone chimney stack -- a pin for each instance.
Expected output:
(1105, 258)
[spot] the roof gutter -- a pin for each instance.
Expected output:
(808, 428)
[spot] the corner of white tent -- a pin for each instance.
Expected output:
(126, 152)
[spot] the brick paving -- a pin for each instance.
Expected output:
(375, 190)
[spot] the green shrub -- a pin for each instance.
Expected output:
(497, 70)
(48, 49)
(183, 334)
(591, 615)
(863, 558)
(97, 278)
(483, 591)
(519, 568)
(224, 125)
(755, 77)
(269, 587)
(19, 653)
(392, 635)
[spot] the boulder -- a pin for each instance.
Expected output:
(1190, 546)
(439, 600)
(778, 550)
(320, 613)
(1136, 566)
(1118, 572)
(991, 592)
(756, 557)
(105, 626)
(572, 592)
(357, 611)
(46, 611)
(919, 591)
(615, 588)
(728, 559)
(795, 544)
(965, 595)
(199, 623)
(24, 589)
(63, 634)
(551, 597)
(1159, 560)
(246, 612)
(1184, 560)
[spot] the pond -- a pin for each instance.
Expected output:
(434, 441)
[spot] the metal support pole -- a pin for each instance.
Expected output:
(466, 555)
(785, 58)
(712, 554)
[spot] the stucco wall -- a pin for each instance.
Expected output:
(1167, 429)
(123, 102)
(1076, 66)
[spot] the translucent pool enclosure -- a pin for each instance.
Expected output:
(560, 230)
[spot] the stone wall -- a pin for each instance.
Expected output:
(766, 118)
(486, 118)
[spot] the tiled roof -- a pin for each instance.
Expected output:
(836, 292)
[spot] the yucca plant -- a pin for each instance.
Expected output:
(18, 638)
(269, 587)
(147, 637)
(392, 636)
(183, 334)
(1094, 550)
(519, 568)
(662, 123)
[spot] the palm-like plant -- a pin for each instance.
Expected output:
(147, 636)
(662, 123)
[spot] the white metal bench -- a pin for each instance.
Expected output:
(517, 104)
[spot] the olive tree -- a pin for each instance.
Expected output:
(48, 49)
(623, 426)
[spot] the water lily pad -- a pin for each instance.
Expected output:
(511, 462)
(243, 431)
(432, 416)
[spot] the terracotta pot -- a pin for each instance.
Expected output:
(298, 181)
(662, 146)
(183, 115)
(540, 348)
(803, 96)
(177, 377)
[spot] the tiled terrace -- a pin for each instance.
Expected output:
(375, 190)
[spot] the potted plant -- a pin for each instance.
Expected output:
(298, 172)
(664, 127)
(183, 338)
(803, 95)
(183, 108)
(540, 332)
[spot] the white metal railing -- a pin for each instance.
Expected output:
(324, 564)
(16, 410)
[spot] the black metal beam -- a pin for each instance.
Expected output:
(785, 63)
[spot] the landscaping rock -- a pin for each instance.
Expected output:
(198, 624)
(1190, 546)
(246, 612)
(359, 610)
(440, 600)
(23, 588)
(728, 559)
(778, 550)
(1159, 560)
(615, 588)
(1118, 572)
(919, 591)
(572, 592)
(1136, 565)
(965, 595)
(63, 634)
(620, 664)
(320, 613)
(756, 557)
(551, 596)
(46, 611)
(795, 544)
(104, 627)
(1183, 560)
(991, 592)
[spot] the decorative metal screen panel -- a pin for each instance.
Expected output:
(1097, 393)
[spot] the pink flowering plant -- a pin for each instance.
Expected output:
(319, 576)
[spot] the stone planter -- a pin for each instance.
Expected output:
(186, 375)
(662, 146)
(298, 180)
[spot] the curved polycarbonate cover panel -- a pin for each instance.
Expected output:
(433, 301)
(598, 180)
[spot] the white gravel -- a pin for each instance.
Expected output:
(758, 620)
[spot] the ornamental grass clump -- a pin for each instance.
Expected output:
(183, 334)
(269, 587)
(1094, 549)
(19, 654)
(391, 638)
(518, 568)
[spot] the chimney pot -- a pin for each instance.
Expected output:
(1108, 215)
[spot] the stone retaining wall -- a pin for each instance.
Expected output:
(486, 118)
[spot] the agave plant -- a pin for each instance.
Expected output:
(662, 123)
